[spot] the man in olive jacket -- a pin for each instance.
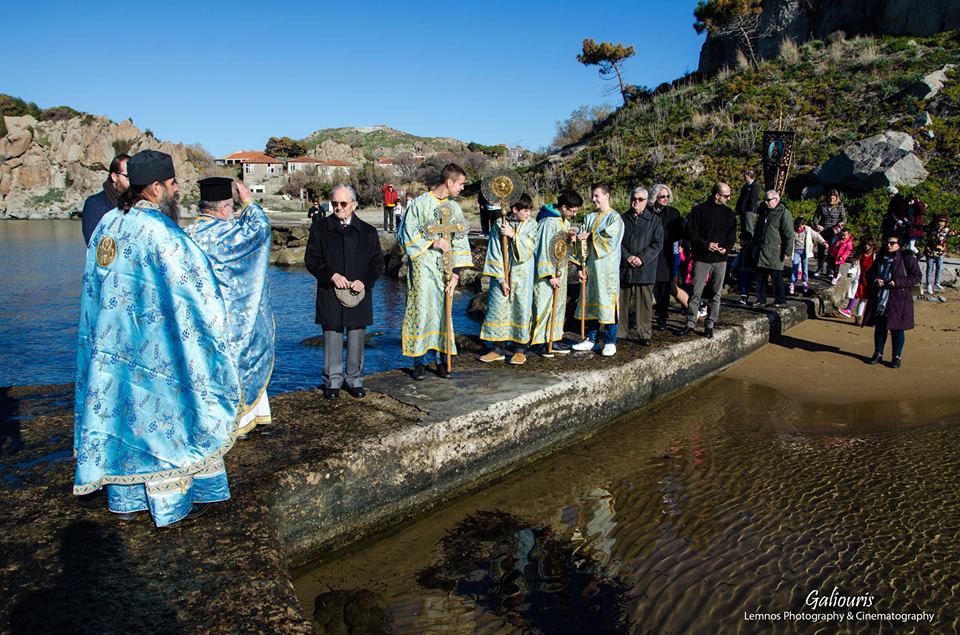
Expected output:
(343, 254)
(639, 255)
(772, 244)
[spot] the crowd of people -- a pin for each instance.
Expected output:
(175, 345)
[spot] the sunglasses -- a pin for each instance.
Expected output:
(339, 204)
(664, 196)
(893, 242)
(771, 199)
(634, 199)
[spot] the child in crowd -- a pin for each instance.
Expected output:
(858, 286)
(804, 239)
(839, 250)
(936, 245)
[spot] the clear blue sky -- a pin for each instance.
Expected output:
(229, 75)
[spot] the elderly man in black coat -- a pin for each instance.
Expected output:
(343, 253)
(639, 256)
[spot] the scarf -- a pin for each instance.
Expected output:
(886, 274)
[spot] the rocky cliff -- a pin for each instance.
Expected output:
(49, 167)
(804, 20)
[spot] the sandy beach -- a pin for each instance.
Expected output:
(822, 361)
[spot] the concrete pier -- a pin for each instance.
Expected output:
(327, 475)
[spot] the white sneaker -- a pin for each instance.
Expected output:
(702, 313)
(585, 345)
(609, 350)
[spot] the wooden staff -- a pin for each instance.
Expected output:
(448, 301)
(553, 314)
(583, 290)
(504, 243)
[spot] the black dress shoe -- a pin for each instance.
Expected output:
(645, 342)
(357, 392)
(708, 332)
(331, 393)
(875, 359)
(660, 325)
(419, 372)
(895, 363)
(442, 371)
(685, 331)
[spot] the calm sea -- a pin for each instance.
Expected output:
(40, 299)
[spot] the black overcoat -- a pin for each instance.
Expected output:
(642, 237)
(353, 252)
(906, 275)
(672, 232)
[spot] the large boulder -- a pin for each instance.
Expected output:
(291, 256)
(930, 85)
(878, 161)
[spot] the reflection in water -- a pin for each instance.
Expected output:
(40, 309)
(732, 498)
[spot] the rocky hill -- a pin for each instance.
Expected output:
(877, 100)
(376, 141)
(49, 167)
(817, 19)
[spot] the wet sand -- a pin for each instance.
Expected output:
(823, 361)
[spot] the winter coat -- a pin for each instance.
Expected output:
(828, 216)
(906, 275)
(773, 238)
(353, 252)
(805, 239)
(707, 223)
(672, 233)
(747, 208)
(840, 249)
(642, 237)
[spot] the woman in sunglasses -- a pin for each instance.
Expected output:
(891, 279)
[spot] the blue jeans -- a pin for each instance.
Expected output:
(799, 265)
(422, 359)
(934, 270)
(609, 332)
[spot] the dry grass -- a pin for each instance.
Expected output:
(742, 62)
(789, 51)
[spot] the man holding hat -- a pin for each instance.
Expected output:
(157, 390)
(343, 253)
(239, 250)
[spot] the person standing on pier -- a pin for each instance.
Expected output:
(551, 221)
(668, 260)
(239, 250)
(96, 206)
(344, 255)
(424, 319)
(510, 302)
(773, 245)
(712, 230)
(639, 256)
(604, 229)
(157, 389)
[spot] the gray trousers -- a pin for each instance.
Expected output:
(701, 271)
(639, 298)
(333, 357)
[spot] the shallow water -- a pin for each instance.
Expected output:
(728, 500)
(40, 309)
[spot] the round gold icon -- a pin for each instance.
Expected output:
(106, 251)
(502, 186)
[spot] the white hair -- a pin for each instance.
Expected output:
(349, 189)
(639, 190)
(773, 194)
(656, 189)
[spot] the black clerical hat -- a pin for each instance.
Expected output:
(215, 188)
(148, 166)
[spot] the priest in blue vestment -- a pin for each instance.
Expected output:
(239, 250)
(157, 392)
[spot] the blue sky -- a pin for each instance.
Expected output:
(229, 75)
